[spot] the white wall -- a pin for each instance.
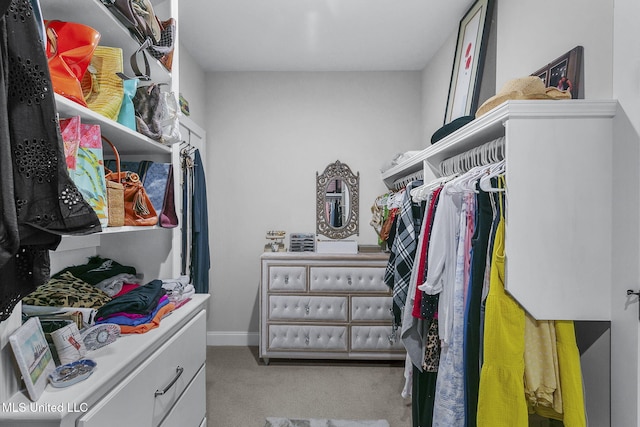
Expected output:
(530, 35)
(435, 87)
(192, 85)
(268, 133)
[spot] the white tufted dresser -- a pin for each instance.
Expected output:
(326, 306)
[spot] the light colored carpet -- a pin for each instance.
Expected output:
(242, 391)
(288, 422)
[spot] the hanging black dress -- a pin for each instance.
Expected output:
(38, 200)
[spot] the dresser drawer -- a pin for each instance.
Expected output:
(283, 278)
(191, 409)
(302, 337)
(134, 402)
(348, 279)
(374, 338)
(371, 308)
(301, 307)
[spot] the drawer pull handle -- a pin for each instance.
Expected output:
(286, 280)
(306, 308)
(306, 340)
(179, 371)
(349, 281)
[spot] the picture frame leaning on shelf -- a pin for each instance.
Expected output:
(33, 356)
(468, 63)
(565, 73)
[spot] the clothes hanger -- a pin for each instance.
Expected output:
(401, 183)
(470, 167)
(421, 193)
(472, 177)
(496, 152)
(495, 170)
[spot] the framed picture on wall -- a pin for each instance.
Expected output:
(468, 61)
(565, 73)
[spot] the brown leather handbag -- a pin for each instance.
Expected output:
(138, 209)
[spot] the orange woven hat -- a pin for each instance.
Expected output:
(530, 87)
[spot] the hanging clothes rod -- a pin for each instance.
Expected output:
(485, 154)
(406, 180)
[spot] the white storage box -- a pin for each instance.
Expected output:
(337, 247)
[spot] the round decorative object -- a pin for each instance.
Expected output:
(100, 335)
(72, 373)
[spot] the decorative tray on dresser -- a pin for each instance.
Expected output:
(326, 306)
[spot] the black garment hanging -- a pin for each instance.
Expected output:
(187, 185)
(479, 244)
(423, 395)
(424, 382)
(38, 199)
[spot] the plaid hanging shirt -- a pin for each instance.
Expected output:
(403, 250)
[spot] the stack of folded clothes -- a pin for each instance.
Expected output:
(138, 310)
(178, 290)
(110, 292)
(81, 288)
(103, 273)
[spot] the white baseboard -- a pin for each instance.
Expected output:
(215, 338)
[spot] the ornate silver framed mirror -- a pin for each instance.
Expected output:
(337, 205)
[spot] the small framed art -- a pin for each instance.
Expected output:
(33, 355)
(565, 73)
(468, 63)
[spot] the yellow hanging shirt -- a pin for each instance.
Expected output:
(501, 400)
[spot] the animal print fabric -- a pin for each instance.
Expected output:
(67, 291)
(432, 349)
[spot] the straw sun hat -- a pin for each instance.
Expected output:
(530, 87)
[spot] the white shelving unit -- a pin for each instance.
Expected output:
(126, 140)
(112, 33)
(121, 391)
(559, 169)
(150, 252)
